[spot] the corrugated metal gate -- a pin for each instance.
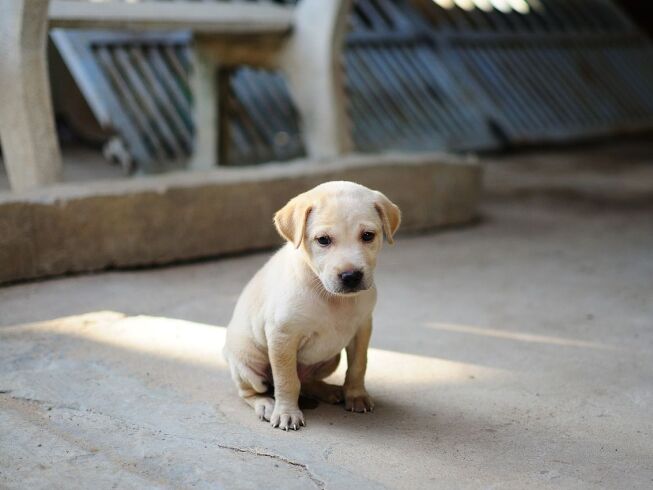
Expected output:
(421, 75)
(401, 96)
(138, 85)
(555, 70)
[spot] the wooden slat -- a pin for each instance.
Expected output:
(207, 18)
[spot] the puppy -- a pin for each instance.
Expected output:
(312, 299)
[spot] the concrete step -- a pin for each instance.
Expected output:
(191, 215)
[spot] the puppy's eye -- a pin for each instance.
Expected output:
(324, 240)
(368, 236)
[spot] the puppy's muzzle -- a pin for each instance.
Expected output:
(351, 280)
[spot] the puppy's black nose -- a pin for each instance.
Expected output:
(351, 279)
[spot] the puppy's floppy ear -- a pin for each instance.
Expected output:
(390, 215)
(291, 219)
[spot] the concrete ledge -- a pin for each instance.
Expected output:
(181, 216)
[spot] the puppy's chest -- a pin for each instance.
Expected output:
(328, 335)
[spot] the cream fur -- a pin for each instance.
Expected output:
(292, 320)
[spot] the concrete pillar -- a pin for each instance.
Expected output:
(206, 115)
(312, 63)
(27, 131)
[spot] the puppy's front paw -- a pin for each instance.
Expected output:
(287, 418)
(358, 401)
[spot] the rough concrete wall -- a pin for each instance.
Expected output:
(162, 219)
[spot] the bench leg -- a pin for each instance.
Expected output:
(27, 131)
(312, 64)
(210, 87)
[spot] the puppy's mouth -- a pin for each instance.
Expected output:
(345, 291)
(340, 288)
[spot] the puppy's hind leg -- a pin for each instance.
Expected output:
(262, 404)
(315, 388)
(253, 389)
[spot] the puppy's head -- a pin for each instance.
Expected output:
(339, 228)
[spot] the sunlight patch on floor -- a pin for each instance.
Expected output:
(177, 340)
(518, 336)
(400, 368)
(200, 344)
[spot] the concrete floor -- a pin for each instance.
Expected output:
(517, 353)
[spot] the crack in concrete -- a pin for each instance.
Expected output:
(253, 451)
(318, 483)
(34, 415)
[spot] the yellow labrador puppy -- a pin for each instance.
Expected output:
(313, 298)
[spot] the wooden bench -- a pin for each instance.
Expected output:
(304, 42)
